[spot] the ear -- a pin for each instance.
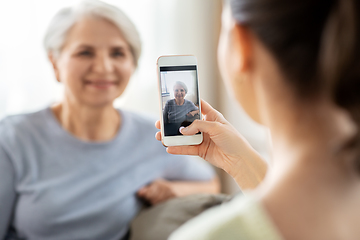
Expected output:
(53, 61)
(245, 91)
(242, 43)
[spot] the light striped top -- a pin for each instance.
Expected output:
(242, 218)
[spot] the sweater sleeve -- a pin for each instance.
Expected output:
(166, 112)
(7, 192)
(191, 106)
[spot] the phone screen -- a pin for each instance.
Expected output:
(180, 98)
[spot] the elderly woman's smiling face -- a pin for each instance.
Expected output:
(95, 63)
(179, 92)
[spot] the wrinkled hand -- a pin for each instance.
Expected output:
(158, 191)
(223, 146)
(192, 113)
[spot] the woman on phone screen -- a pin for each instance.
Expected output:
(179, 111)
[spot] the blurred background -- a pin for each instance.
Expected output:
(27, 82)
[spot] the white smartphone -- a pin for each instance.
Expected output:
(179, 98)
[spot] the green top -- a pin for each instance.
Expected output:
(242, 218)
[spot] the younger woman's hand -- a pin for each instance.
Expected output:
(224, 147)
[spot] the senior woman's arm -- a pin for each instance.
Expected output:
(193, 113)
(166, 112)
(7, 192)
(161, 190)
(192, 108)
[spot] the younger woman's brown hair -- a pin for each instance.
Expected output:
(316, 43)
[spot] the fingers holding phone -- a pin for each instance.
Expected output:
(224, 147)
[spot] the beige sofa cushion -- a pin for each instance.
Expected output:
(158, 222)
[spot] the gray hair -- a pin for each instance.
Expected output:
(181, 84)
(62, 22)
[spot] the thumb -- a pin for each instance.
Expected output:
(201, 126)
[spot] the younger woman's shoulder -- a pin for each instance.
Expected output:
(242, 218)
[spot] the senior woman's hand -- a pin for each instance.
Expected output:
(161, 190)
(192, 113)
(224, 147)
(158, 191)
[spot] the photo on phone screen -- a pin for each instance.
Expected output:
(179, 95)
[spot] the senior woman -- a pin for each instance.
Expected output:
(179, 111)
(294, 67)
(75, 170)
